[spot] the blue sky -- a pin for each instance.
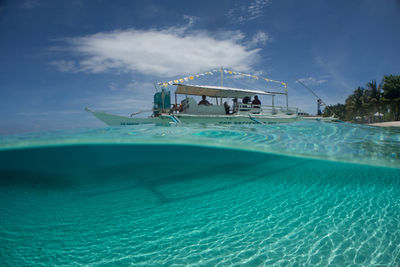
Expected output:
(58, 57)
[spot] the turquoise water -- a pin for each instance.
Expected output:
(288, 194)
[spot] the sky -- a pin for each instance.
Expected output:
(58, 57)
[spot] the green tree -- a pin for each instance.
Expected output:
(354, 104)
(374, 98)
(391, 93)
(366, 104)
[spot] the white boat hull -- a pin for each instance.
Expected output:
(236, 119)
(116, 120)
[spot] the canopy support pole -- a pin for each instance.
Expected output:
(287, 98)
(273, 101)
(222, 76)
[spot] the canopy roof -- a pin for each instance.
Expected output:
(217, 91)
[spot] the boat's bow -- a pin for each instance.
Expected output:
(117, 120)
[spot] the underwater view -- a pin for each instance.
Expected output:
(306, 193)
(199, 133)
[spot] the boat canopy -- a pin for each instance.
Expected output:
(217, 91)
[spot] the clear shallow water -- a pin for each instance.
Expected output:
(331, 141)
(120, 202)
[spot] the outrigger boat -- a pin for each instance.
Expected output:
(189, 111)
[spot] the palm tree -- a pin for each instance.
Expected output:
(391, 93)
(354, 104)
(374, 97)
(366, 104)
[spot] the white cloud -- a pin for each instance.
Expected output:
(113, 87)
(64, 65)
(260, 38)
(334, 67)
(190, 19)
(313, 80)
(245, 11)
(168, 52)
(255, 9)
(125, 99)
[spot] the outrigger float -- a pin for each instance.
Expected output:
(189, 111)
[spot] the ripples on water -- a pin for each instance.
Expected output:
(332, 141)
(129, 198)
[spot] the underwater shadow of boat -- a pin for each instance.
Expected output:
(152, 180)
(231, 170)
(36, 180)
(123, 168)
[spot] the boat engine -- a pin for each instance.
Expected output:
(162, 102)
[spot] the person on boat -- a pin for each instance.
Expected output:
(256, 101)
(246, 100)
(227, 108)
(204, 101)
(235, 105)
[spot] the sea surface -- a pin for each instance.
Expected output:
(302, 194)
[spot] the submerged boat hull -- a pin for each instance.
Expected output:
(116, 120)
(320, 118)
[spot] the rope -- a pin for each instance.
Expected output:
(312, 92)
(141, 111)
(254, 119)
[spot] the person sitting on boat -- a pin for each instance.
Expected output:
(246, 100)
(256, 101)
(204, 101)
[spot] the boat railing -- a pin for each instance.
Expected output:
(239, 108)
(264, 109)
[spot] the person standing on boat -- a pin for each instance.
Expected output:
(204, 101)
(256, 101)
(227, 108)
(235, 105)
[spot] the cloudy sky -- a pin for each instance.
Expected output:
(57, 57)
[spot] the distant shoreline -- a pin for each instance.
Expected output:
(386, 124)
